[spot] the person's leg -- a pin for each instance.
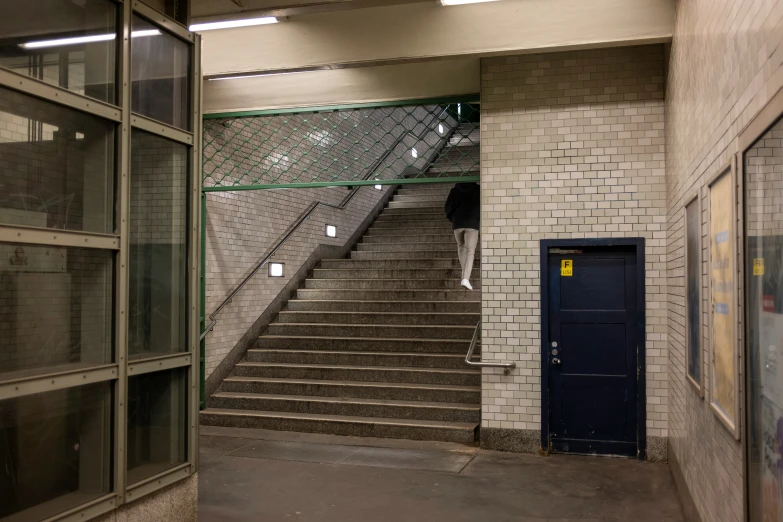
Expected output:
(459, 234)
(470, 241)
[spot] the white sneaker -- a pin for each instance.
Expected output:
(466, 284)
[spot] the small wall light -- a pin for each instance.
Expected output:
(414, 153)
(440, 128)
(276, 270)
(331, 231)
(378, 187)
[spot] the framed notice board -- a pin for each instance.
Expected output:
(724, 363)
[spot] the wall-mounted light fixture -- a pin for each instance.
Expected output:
(440, 128)
(230, 24)
(414, 152)
(276, 269)
(331, 231)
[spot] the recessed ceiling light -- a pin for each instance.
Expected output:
(230, 24)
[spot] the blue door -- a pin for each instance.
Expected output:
(592, 351)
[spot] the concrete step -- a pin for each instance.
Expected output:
(470, 377)
(368, 273)
(386, 284)
(410, 238)
(386, 307)
(384, 228)
(406, 359)
(341, 425)
(387, 331)
(353, 344)
(430, 212)
(403, 222)
(361, 390)
(434, 199)
(389, 295)
(424, 204)
(363, 317)
(393, 255)
(445, 246)
(437, 411)
(392, 264)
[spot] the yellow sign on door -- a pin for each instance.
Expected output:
(758, 266)
(567, 267)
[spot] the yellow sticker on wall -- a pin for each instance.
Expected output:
(758, 266)
(567, 267)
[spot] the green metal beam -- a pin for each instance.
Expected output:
(412, 181)
(467, 98)
(203, 304)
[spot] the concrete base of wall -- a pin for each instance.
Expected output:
(517, 441)
(689, 508)
(657, 449)
(236, 354)
(176, 503)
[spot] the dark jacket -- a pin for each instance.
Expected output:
(463, 206)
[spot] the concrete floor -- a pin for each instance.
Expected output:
(257, 475)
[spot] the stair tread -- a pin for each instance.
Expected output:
(470, 371)
(372, 339)
(349, 400)
(348, 325)
(368, 353)
(343, 418)
(371, 384)
(381, 314)
(365, 302)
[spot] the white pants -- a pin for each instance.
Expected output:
(467, 239)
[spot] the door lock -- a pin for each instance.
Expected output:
(555, 360)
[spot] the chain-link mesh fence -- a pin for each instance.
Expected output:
(351, 146)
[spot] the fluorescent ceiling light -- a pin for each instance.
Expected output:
(463, 2)
(229, 24)
(257, 75)
(68, 41)
(60, 42)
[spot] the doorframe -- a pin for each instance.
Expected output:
(641, 365)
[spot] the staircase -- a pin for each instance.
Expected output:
(372, 345)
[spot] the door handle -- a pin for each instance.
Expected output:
(555, 360)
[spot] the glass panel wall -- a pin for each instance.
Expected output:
(161, 72)
(158, 246)
(157, 423)
(56, 308)
(763, 171)
(55, 451)
(96, 261)
(56, 166)
(65, 43)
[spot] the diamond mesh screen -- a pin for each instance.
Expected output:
(352, 146)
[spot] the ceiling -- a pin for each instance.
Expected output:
(202, 10)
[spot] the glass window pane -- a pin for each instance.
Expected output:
(55, 451)
(157, 422)
(56, 308)
(56, 166)
(64, 43)
(161, 74)
(693, 283)
(763, 171)
(158, 246)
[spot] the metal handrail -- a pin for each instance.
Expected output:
(303, 217)
(507, 367)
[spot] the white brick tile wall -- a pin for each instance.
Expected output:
(725, 66)
(572, 147)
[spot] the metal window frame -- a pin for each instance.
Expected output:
(698, 386)
(117, 373)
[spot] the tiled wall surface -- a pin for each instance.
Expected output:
(725, 66)
(241, 229)
(572, 147)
